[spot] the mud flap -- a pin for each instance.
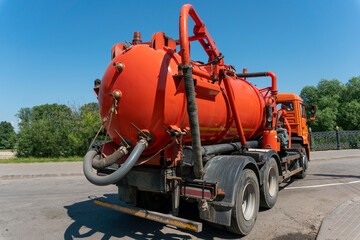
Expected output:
(226, 170)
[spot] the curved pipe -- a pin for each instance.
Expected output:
(119, 173)
(273, 87)
(200, 32)
(184, 39)
(100, 163)
(189, 83)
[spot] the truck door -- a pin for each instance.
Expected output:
(304, 126)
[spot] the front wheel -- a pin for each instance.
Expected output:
(246, 207)
(303, 162)
(270, 188)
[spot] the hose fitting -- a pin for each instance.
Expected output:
(100, 163)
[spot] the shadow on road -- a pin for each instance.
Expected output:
(285, 184)
(90, 219)
(336, 175)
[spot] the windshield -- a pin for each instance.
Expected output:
(288, 106)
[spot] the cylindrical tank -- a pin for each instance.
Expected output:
(152, 96)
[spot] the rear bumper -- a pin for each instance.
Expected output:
(154, 216)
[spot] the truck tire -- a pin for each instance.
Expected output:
(303, 162)
(244, 213)
(269, 190)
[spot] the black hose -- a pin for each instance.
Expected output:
(219, 148)
(119, 173)
(227, 147)
(257, 74)
(100, 163)
(193, 120)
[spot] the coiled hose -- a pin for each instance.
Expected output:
(92, 176)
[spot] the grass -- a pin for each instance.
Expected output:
(41, 160)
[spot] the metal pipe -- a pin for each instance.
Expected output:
(273, 87)
(236, 116)
(189, 85)
(202, 74)
(200, 31)
(119, 173)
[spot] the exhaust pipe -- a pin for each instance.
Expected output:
(92, 176)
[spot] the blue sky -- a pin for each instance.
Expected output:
(51, 51)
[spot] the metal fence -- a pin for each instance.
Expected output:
(334, 140)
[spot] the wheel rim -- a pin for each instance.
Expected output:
(248, 202)
(272, 182)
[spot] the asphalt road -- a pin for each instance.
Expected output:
(60, 207)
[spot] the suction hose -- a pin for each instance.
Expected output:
(119, 173)
(193, 120)
(187, 70)
(100, 163)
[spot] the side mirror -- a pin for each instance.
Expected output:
(313, 112)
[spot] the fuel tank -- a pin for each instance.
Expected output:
(152, 97)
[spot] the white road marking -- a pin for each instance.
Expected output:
(322, 185)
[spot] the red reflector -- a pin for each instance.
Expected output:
(195, 192)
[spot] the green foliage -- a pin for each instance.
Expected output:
(337, 104)
(53, 130)
(88, 123)
(7, 136)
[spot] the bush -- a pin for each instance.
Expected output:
(53, 130)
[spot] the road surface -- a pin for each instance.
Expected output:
(55, 206)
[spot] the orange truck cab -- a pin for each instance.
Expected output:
(296, 116)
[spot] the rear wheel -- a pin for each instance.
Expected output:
(246, 207)
(270, 188)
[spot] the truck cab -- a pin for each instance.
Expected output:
(296, 116)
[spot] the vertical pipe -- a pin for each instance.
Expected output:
(189, 86)
(229, 92)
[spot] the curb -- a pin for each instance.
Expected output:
(338, 225)
(334, 158)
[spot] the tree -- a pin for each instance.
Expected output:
(88, 123)
(53, 130)
(337, 104)
(44, 131)
(7, 135)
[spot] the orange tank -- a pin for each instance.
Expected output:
(152, 97)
